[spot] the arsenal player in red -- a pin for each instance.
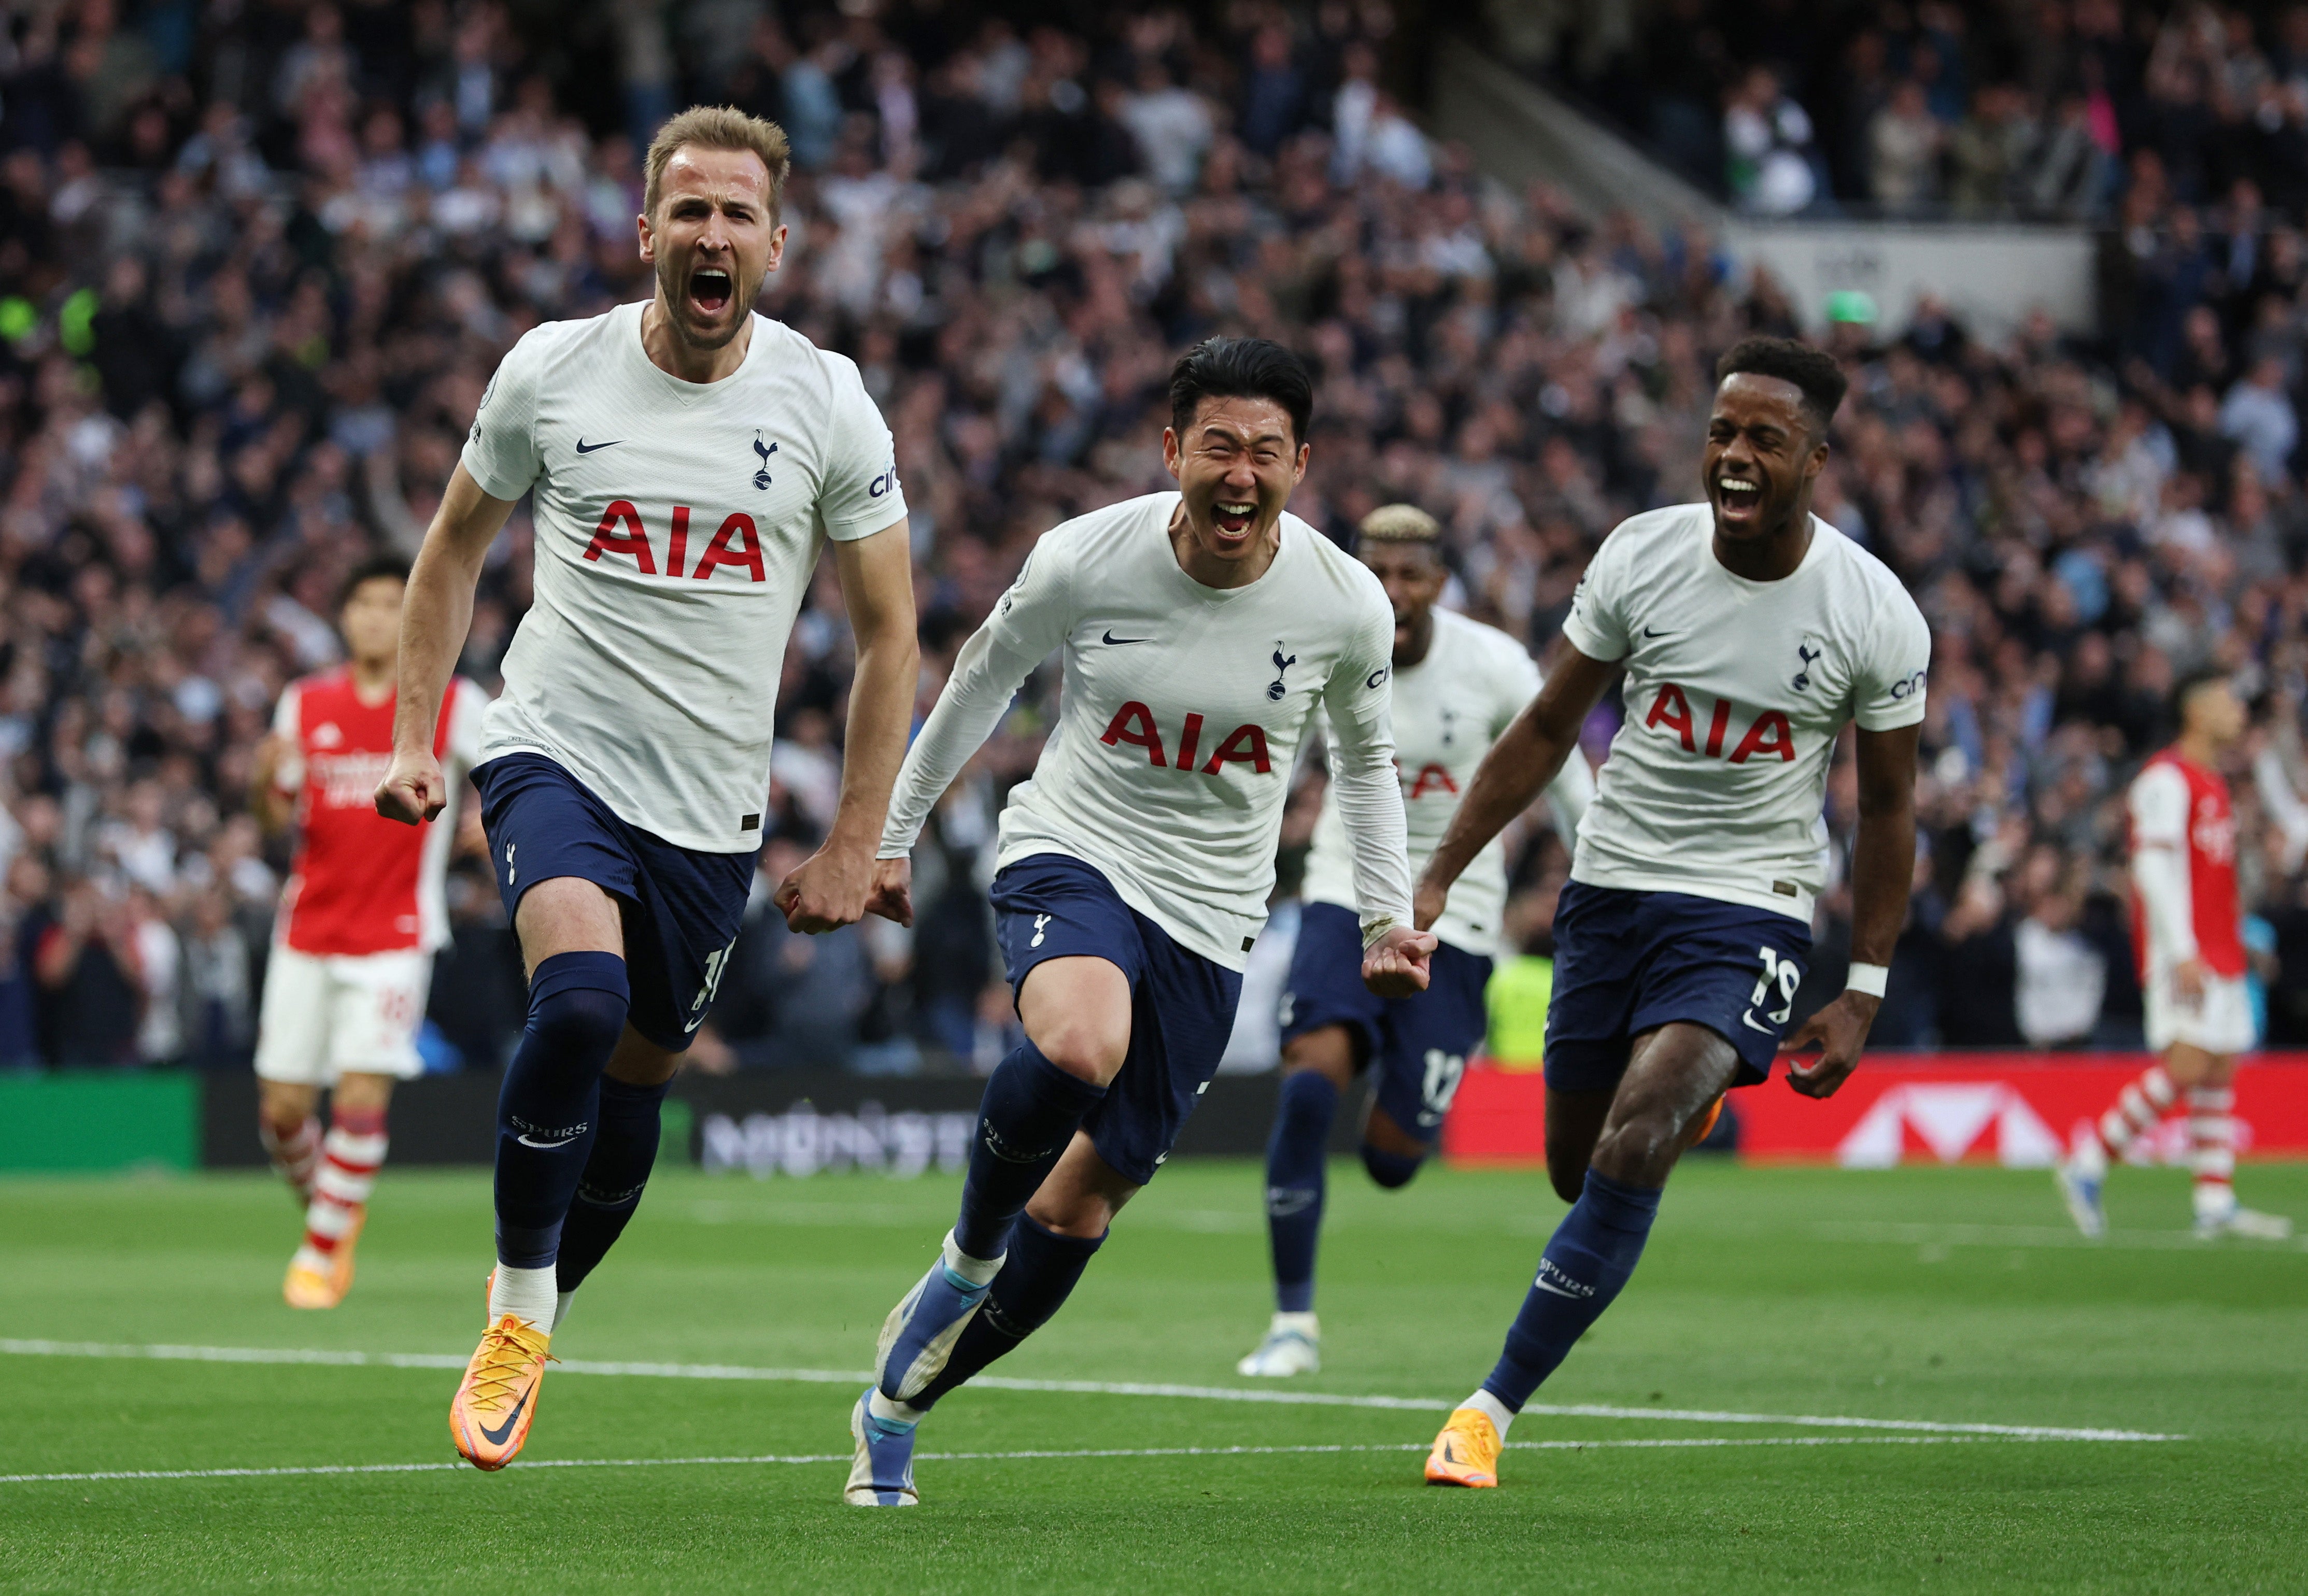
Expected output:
(2188, 930)
(362, 914)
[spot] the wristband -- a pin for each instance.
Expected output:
(1869, 979)
(1377, 929)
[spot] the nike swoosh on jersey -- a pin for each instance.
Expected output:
(496, 1437)
(1110, 640)
(543, 1147)
(585, 447)
(1750, 1018)
(1650, 633)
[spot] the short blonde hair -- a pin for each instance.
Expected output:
(1401, 523)
(719, 127)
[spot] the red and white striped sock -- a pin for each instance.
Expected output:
(2211, 1149)
(2137, 1109)
(350, 1157)
(294, 1156)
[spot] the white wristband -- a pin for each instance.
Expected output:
(1869, 979)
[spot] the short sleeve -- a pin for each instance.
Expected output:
(466, 703)
(2159, 803)
(1889, 692)
(501, 453)
(289, 771)
(1517, 680)
(859, 494)
(1597, 624)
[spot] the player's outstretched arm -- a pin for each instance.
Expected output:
(1882, 869)
(832, 887)
(1526, 757)
(435, 617)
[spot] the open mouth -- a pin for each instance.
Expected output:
(710, 289)
(1738, 495)
(1233, 520)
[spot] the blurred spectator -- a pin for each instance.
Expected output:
(1769, 139)
(1903, 143)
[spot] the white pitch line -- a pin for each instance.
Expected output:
(838, 1377)
(1673, 1444)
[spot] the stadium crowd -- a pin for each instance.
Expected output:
(258, 261)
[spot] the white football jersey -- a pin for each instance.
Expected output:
(1184, 709)
(1448, 710)
(1736, 691)
(678, 525)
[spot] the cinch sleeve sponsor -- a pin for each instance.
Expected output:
(501, 453)
(860, 495)
(1597, 624)
(1889, 692)
(1362, 781)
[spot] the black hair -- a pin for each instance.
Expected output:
(2185, 688)
(374, 569)
(1790, 360)
(1241, 367)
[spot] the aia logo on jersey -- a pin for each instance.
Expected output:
(1431, 779)
(621, 532)
(1134, 724)
(1769, 735)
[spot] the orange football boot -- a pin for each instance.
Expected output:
(325, 1288)
(1466, 1452)
(497, 1400)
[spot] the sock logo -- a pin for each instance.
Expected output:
(1041, 922)
(1282, 1202)
(1551, 1278)
(556, 1137)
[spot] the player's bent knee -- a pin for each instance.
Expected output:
(1085, 1049)
(1391, 1170)
(1639, 1150)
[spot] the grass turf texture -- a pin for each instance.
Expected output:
(1953, 1295)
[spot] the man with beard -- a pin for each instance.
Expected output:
(688, 461)
(1201, 631)
(1751, 633)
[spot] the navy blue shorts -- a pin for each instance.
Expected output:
(1416, 1046)
(681, 906)
(1625, 962)
(1181, 1004)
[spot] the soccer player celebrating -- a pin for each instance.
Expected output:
(362, 914)
(1751, 633)
(1456, 685)
(688, 460)
(2189, 938)
(1200, 630)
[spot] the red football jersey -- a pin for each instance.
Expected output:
(2177, 803)
(361, 883)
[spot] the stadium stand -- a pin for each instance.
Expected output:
(257, 262)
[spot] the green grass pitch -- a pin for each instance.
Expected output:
(1956, 1297)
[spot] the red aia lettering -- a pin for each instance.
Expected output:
(1137, 715)
(1134, 724)
(1671, 709)
(1244, 745)
(679, 546)
(635, 542)
(1770, 734)
(1770, 723)
(739, 526)
(1433, 778)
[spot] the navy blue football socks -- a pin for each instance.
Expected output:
(1027, 1117)
(1296, 1153)
(1040, 1274)
(548, 1105)
(617, 1170)
(1391, 1170)
(1592, 1253)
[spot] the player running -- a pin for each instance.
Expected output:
(1201, 630)
(688, 459)
(2189, 936)
(1751, 633)
(1456, 685)
(351, 964)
